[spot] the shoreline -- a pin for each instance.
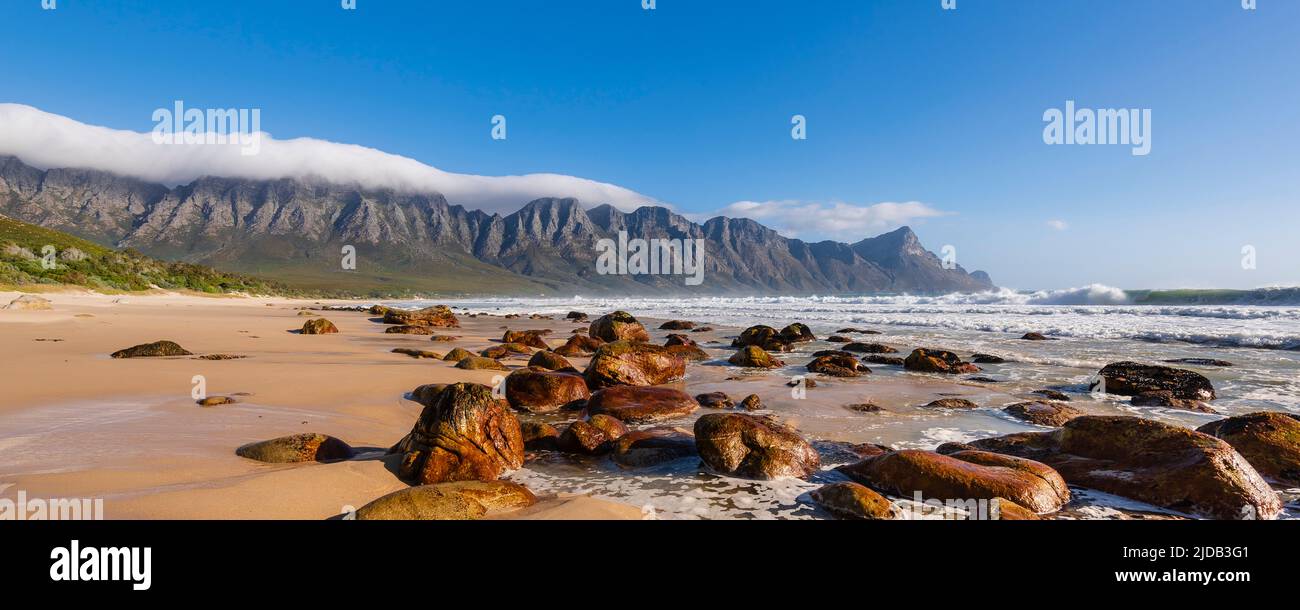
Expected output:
(129, 431)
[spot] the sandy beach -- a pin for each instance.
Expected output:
(76, 423)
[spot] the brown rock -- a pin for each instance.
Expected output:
(837, 365)
(152, 350)
(633, 363)
(466, 434)
(618, 326)
(540, 391)
(539, 436)
(853, 501)
(409, 330)
(530, 338)
(417, 353)
(752, 356)
(1157, 463)
(1006, 510)
(797, 333)
(1052, 414)
(458, 354)
(937, 361)
(762, 336)
(870, 348)
(579, 345)
(677, 325)
(594, 436)
(1270, 441)
(751, 403)
(478, 363)
(319, 326)
(864, 407)
(1132, 378)
(641, 404)
(715, 400)
(962, 476)
(1052, 394)
(461, 500)
(307, 447)
(952, 403)
(653, 446)
(438, 316)
(1166, 398)
(427, 393)
(551, 361)
(1034, 337)
(216, 401)
(754, 447)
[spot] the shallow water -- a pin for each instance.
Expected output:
(1265, 377)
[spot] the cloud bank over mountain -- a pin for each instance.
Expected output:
(47, 140)
(837, 220)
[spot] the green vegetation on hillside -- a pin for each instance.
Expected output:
(31, 255)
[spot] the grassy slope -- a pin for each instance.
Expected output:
(105, 269)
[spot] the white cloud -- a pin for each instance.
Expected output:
(1059, 225)
(47, 140)
(838, 220)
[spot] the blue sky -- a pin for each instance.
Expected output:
(691, 104)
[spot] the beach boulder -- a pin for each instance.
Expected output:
(457, 354)
(797, 333)
(438, 316)
(618, 326)
(641, 404)
(539, 435)
(1053, 414)
(962, 476)
(1033, 336)
(307, 447)
(753, 356)
(653, 446)
(467, 434)
(530, 338)
(633, 363)
(551, 361)
(1166, 398)
(952, 403)
(850, 500)
(461, 500)
(576, 316)
(677, 325)
(753, 447)
(480, 363)
(319, 326)
(1132, 378)
(579, 345)
(152, 350)
(30, 302)
(592, 436)
(1154, 462)
(417, 353)
(715, 400)
(870, 348)
(837, 365)
(409, 330)
(427, 393)
(762, 336)
(937, 361)
(541, 391)
(1269, 440)
(685, 347)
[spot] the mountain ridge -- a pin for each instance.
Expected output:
(294, 229)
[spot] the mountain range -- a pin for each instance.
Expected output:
(295, 231)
